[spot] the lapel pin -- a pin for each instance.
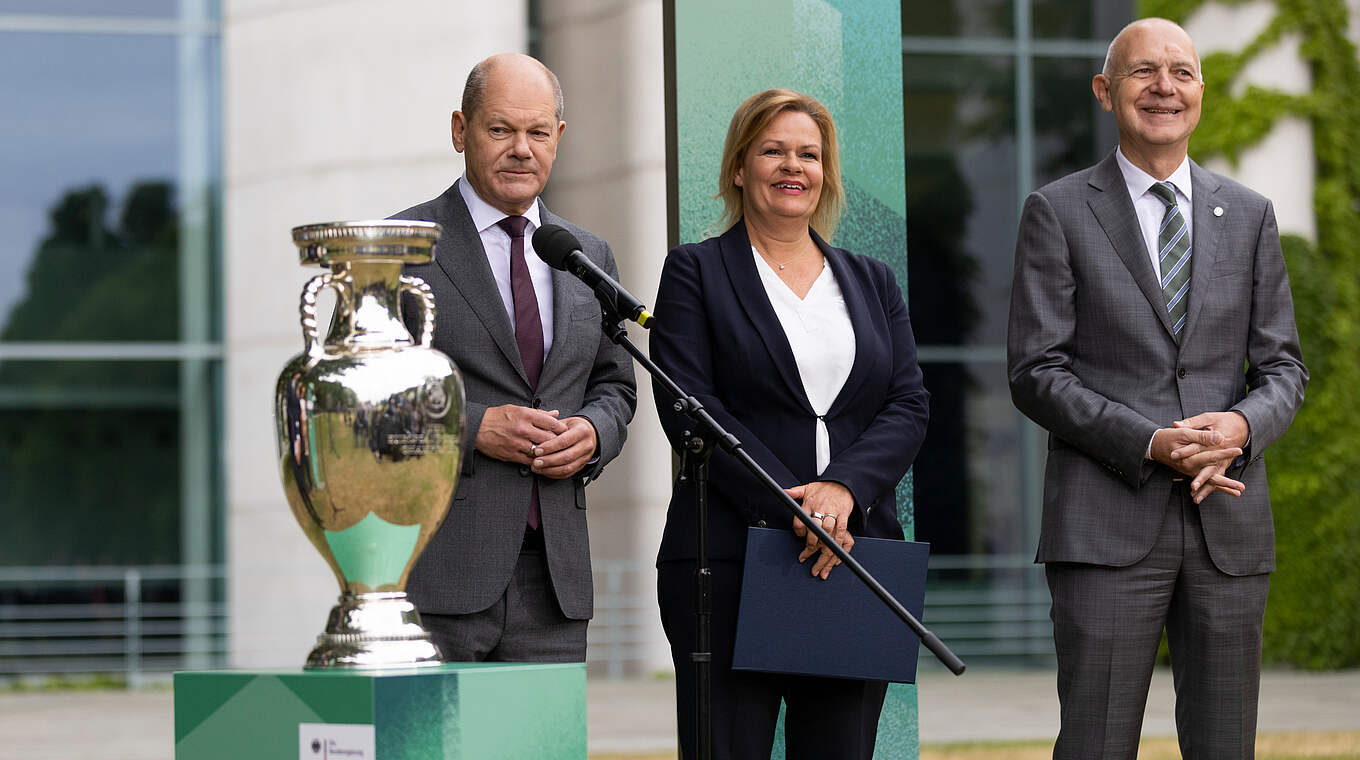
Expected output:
(1218, 211)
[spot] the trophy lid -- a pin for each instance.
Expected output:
(403, 240)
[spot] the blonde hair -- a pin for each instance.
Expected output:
(753, 117)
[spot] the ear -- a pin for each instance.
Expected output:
(1100, 85)
(561, 127)
(458, 130)
(736, 179)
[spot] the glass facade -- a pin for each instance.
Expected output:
(110, 351)
(997, 102)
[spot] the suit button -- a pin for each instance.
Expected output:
(760, 524)
(1181, 373)
(538, 402)
(524, 470)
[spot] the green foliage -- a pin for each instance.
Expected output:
(1313, 619)
(89, 462)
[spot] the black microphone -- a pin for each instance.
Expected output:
(557, 246)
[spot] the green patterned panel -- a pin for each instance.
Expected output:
(260, 721)
(416, 718)
(527, 711)
(193, 704)
(481, 711)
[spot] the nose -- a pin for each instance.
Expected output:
(791, 164)
(520, 145)
(1163, 82)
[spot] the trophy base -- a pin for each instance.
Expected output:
(374, 631)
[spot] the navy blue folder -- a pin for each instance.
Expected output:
(791, 622)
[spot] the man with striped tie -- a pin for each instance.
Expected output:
(1152, 334)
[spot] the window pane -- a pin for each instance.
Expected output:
(87, 194)
(961, 196)
(1080, 19)
(961, 201)
(89, 458)
(964, 18)
(1072, 132)
(122, 8)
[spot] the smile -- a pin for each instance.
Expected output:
(1172, 111)
(789, 186)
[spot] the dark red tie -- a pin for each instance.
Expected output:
(528, 326)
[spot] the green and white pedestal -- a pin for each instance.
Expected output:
(461, 710)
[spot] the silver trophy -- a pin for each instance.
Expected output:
(369, 431)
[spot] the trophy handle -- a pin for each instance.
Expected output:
(311, 341)
(419, 288)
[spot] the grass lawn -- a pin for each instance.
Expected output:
(1281, 746)
(1338, 745)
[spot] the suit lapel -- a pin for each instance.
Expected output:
(463, 260)
(563, 284)
(856, 304)
(1114, 212)
(750, 291)
(1203, 241)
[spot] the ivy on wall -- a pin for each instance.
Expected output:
(1313, 618)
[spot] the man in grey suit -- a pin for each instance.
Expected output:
(549, 398)
(1143, 287)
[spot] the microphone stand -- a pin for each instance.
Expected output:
(697, 448)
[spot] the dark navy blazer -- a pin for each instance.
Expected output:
(717, 335)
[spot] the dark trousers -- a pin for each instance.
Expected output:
(524, 625)
(826, 717)
(1108, 623)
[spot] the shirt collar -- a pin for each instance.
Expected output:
(484, 215)
(1138, 181)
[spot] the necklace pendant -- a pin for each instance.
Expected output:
(781, 267)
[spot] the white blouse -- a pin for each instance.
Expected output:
(821, 336)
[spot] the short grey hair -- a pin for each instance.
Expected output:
(474, 90)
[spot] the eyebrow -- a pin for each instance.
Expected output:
(1149, 62)
(805, 146)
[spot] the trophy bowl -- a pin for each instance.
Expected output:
(369, 425)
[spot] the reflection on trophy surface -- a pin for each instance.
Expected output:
(369, 431)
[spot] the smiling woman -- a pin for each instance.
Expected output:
(816, 374)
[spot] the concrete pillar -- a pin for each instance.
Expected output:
(333, 110)
(610, 177)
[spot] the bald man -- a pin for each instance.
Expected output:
(549, 398)
(1143, 287)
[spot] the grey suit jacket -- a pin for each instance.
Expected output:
(1091, 358)
(469, 562)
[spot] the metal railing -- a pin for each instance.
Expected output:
(990, 608)
(135, 622)
(121, 621)
(626, 620)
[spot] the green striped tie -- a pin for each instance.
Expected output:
(1173, 256)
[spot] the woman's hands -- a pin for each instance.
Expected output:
(831, 503)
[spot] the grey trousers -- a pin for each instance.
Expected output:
(524, 625)
(1108, 623)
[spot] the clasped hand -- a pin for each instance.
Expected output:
(552, 447)
(1203, 447)
(834, 503)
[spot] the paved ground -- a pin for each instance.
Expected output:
(637, 716)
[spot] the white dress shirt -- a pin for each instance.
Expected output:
(1150, 207)
(822, 338)
(1151, 210)
(496, 241)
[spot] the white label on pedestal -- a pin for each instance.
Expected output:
(335, 741)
